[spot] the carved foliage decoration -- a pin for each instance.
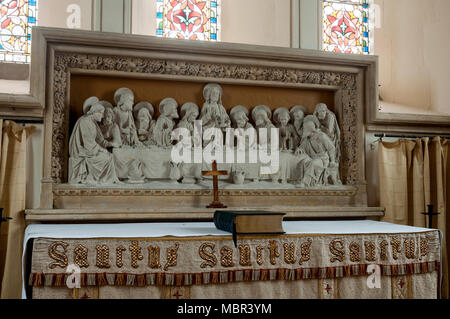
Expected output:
(66, 61)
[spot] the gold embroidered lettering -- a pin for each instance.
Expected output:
(102, 260)
(259, 250)
(81, 255)
(337, 249)
(355, 252)
(60, 257)
(370, 250)
(119, 256)
(383, 250)
(135, 254)
(172, 257)
(154, 257)
(410, 248)
(244, 253)
(396, 247)
(305, 249)
(424, 247)
(289, 253)
(273, 251)
(226, 259)
(209, 257)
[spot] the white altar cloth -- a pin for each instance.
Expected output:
(208, 229)
(153, 230)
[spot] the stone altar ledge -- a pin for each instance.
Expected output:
(194, 214)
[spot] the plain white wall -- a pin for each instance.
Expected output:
(412, 43)
(53, 13)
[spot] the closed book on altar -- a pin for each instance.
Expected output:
(249, 223)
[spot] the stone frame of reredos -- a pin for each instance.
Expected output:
(65, 53)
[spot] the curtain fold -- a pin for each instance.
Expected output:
(414, 174)
(13, 146)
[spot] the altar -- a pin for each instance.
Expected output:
(314, 259)
(117, 106)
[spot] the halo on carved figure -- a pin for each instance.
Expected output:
(189, 107)
(164, 102)
(209, 87)
(278, 112)
(298, 108)
(119, 92)
(312, 118)
(238, 108)
(142, 105)
(261, 108)
(106, 104)
(89, 102)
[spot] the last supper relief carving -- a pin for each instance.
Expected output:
(122, 142)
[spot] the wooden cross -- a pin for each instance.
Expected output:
(430, 215)
(215, 174)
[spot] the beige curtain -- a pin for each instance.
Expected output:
(414, 174)
(13, 147)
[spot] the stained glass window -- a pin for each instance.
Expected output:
(188, 19)
(346, 26)
(16, 19)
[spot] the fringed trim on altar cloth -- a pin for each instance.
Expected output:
(223, 277)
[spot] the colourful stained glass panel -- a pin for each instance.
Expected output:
(346, 26)
(16, 19)
(188, 19)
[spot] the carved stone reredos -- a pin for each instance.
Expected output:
(345, 81)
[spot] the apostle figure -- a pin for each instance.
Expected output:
(316, 153)
(261, 115)
(90, 162)
(289, 139)
(298, 114)
(165, 123)
(143, 113)
(108, 126)
(213, 113)
(239, 116)
(124, 99)
(329, 125)
(189, 113)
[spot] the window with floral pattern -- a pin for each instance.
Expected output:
(188, 19)
(16, 19)
(347, 26)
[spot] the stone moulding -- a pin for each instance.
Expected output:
(351, 78)
(352, 191)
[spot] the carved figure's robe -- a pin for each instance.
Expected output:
(162, 131)
(184, 123)
(214, 115)
(111, 133)
(268, 126)
(125, 121)
(289, 140)
(298, 125)
(317, 152)
(330, 127)
(90, 162)
(145, 134)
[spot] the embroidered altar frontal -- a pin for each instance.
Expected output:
(404, 265)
